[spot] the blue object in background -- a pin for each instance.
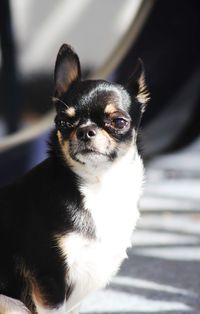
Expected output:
(18, 160)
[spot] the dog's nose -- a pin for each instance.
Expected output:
(86, 133)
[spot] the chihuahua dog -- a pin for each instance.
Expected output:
(65, 226)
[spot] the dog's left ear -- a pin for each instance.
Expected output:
(67, 70)
(136, 85)
(137, 88)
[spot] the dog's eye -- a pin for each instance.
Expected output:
(69, 125)
(63, 124)
(119, 123)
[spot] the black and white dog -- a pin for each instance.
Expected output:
(65, 226)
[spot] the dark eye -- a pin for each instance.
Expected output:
(69, 125)
(63, 124)
(119, 123)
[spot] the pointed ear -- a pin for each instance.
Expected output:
(137, 88)
(67, 70)
(136, 85)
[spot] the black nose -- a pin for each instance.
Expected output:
(86, 133)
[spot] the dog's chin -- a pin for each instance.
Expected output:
(91, 157)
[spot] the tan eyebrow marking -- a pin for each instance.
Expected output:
(71, 112)
(110, 108)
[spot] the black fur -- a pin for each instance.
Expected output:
(41, 205)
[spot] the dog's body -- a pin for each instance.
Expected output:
(65, 226)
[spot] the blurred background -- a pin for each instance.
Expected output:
(109, 36)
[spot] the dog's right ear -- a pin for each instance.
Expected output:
(67, 70)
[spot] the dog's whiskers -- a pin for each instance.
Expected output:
(57, 99)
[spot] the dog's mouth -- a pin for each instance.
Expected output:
(88, 151)
(89, 154)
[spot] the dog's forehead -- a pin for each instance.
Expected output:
(99, 94)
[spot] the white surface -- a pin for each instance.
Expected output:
(173, 253)
(110, 301)
(92, 27)
(146, 284)
(181, 224)
(150, 238)
(173, 181)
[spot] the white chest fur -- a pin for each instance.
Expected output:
(112, 201)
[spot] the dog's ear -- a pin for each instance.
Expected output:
(137, 88)
(67, 70)
(136, 84)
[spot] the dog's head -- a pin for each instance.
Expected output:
(97, 121)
